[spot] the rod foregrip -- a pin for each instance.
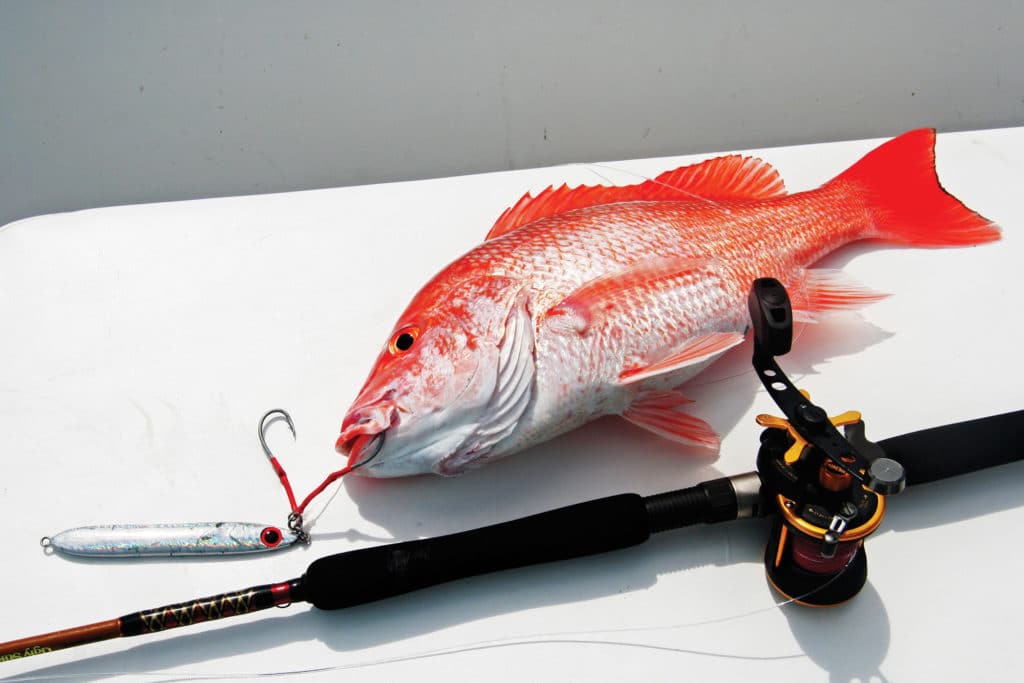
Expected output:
(370, 574)
(208, 609)
(961, 448)
(159, 619)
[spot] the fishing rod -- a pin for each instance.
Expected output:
(827, 490)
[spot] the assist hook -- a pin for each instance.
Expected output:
(280, 414)
(294, 517)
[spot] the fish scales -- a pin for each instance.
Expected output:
(586, 308)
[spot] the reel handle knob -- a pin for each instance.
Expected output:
(886, 477)
(771, 316)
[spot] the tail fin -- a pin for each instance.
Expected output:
(906, 200)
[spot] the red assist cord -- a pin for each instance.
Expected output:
(297, 509)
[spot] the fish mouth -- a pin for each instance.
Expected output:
(362, 437)
(355, 445)
(360, 449)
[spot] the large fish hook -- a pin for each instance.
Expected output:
(295, 521)
(281, 415)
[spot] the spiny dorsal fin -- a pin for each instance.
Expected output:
(729, 177)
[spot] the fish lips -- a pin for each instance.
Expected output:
(399, 452)
(363, 435)
(361, 449)
(360, 446)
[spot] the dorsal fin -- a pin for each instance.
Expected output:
(729, 177)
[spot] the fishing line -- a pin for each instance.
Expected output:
(548, 638)
(674, 188)
(315, 518)
(592, 168)
(696, 381)
(399, 659)
(295, 520)
(562, 638)
(799, 326)
(295, 517)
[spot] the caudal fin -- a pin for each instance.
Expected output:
(906, 200)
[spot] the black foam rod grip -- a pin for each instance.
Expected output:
(370, 574)
(941, 452)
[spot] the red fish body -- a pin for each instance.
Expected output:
(604, 300)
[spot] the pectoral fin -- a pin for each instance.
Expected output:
(621, 291)
(696, 350)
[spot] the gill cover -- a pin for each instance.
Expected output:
(510, 394)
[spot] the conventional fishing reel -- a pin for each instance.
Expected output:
(827, 488)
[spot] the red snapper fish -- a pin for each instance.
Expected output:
(595, 300)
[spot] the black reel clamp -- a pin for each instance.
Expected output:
(829, 488)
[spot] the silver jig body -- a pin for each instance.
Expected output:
(198, 538)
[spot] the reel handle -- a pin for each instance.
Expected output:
(828, 487)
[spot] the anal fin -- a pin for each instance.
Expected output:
(816, 290)
(657, 412)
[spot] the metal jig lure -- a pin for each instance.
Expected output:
(148, 540)
(187, 538)
(200, 538)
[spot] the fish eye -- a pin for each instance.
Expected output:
(271, 536)
(403, 340)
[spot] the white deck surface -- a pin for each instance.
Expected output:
(142, 343)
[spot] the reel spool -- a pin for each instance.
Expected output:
(828, 488)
